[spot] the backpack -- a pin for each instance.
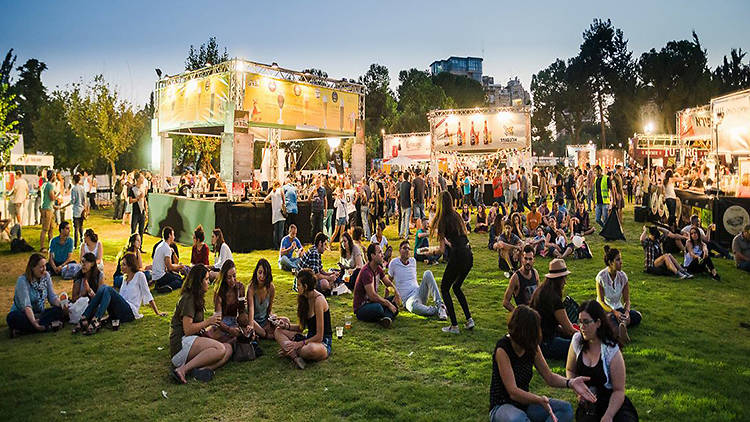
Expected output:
(20, 245)
(571, 308)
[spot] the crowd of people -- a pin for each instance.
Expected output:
(541, 214)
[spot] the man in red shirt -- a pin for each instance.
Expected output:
(497, 187)
(368, 305)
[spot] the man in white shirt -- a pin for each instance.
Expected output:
(164, 273)
(403, 272)
(18, 195)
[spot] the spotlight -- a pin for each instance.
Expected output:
(158, 72)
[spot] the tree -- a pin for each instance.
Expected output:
(417, 95)
(380, 109)
(206, 54)
(55, 135)
(7, 105)
(676, 77)
(102, 119)
(465, 92)
(604, 48)
(31, 95)
(732, 75)
(7, 67)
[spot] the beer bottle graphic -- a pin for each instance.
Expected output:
(472, 135)
(448, 139)
(459, 135)
(486, 134)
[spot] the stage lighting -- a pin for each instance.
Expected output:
(158, 72)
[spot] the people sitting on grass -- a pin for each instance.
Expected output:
(86, 281)
(312, 260)
(481, 225)
(595, 356)
(192, 354)
(289, 244)
(222, 252)
(260, 296)
(227, 303)
(508, 247)
(60, 250)
(132, 247)
(422, 241)
(579, 221)
(91, 244)
(33, 289)
(403, 272)
(741, 249)
(106, 300)
(466, 216)
(523, 282)
(513, 360)
(134, 288)
(379, 237)
(657, 262)
(368, 305)
(533, 218)
(164, 272)
(697, 260)
(313, 315)
(199, 252)
(548, 301)
(695, 221)
(613, 294)
(517, 227)
(351, 258)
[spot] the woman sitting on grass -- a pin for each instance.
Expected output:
(481, 226)
(260, 295)
(91, 244)
(512, 361)
(193, 355)
(135, 288)
(33, 289)
(199, 253)
(313, 314)
(548, 301)
(227, 303)
(613, 294)
(132, 248)
(222, 252)
(595, 356)
(697, 258)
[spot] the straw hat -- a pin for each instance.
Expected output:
(557, 268)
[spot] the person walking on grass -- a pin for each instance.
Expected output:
(451, 233)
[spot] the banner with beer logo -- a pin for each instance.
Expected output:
(477, 132)
(292, 105)
(415, 146)
(199, 102)
(733, 129)
(694, 123)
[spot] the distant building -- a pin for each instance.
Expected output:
(471, 67)
(511, 94)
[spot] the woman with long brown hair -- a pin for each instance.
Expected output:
(34, 288)
(260, 295)
(451, 233)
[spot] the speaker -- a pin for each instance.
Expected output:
(641, 214)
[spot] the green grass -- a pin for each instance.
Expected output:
(689, 360)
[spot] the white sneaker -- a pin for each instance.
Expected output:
(453, 329)
(442, 314)
(469, 324)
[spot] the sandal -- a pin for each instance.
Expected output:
(93, 327)
(82, 325)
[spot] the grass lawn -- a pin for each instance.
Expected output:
(689, 359)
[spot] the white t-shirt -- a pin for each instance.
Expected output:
(340, 206)
(136, 292)
(20, 190)
(224, 254)
(404, 277)
(612, 288)
(158, 268)
(383, 242)
(277, 199)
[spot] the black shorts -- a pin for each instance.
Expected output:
(660, 270)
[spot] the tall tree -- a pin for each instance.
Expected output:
(603, 47)
(207, 53)
(732, 75)
(6, 68)
(465, 92)
(676, 77)
(99, 116)
(417, 95)
(7, 123)
(55, 135)
(380, 107)
(31, 96)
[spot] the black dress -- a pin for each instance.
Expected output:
(594, 411)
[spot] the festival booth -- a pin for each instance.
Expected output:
(580, 155)
(242, 103)
(473, 137)
(29, 164)
(406, 149)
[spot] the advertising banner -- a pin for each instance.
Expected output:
(411, 145)
(734, 128)
(482, 131)
(199, 102)
(608, 158)
(694, 123)
(292, 105)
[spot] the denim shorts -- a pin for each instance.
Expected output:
(341, 221)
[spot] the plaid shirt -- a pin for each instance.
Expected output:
(652, 250)
(312, 260)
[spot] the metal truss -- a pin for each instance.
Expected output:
(481, 110)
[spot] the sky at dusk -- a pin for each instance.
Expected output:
(125, 41)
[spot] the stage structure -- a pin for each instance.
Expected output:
(480, 131)
(694, 127)
(244, 102)
(414, 146)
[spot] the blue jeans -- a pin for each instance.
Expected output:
(534, 413)
(417, 303)
(278, 232)
(418, 210)
(405, 219)
(287, 264)
(364, 210)
(635, 317)
(374, 312)
(555, 348)
(744, 265)
(173, 280)
(590, 198)
(17, 320)
(601, 213)
(108, 300)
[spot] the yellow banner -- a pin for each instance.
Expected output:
(291, 105)
(195, 103)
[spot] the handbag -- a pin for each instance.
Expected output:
(571, 309)
(244, 350)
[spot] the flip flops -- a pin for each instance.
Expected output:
(175, 377)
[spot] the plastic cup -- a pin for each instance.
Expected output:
(348, 323)
(115, 324)
(339, 332)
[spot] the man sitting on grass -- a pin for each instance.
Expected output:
(403, 272)
(290, 243)
(312, 260)
(741, 249)
(60, 250)
(368, 305)
(657, 262)
(164, 272)
(523, 282)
